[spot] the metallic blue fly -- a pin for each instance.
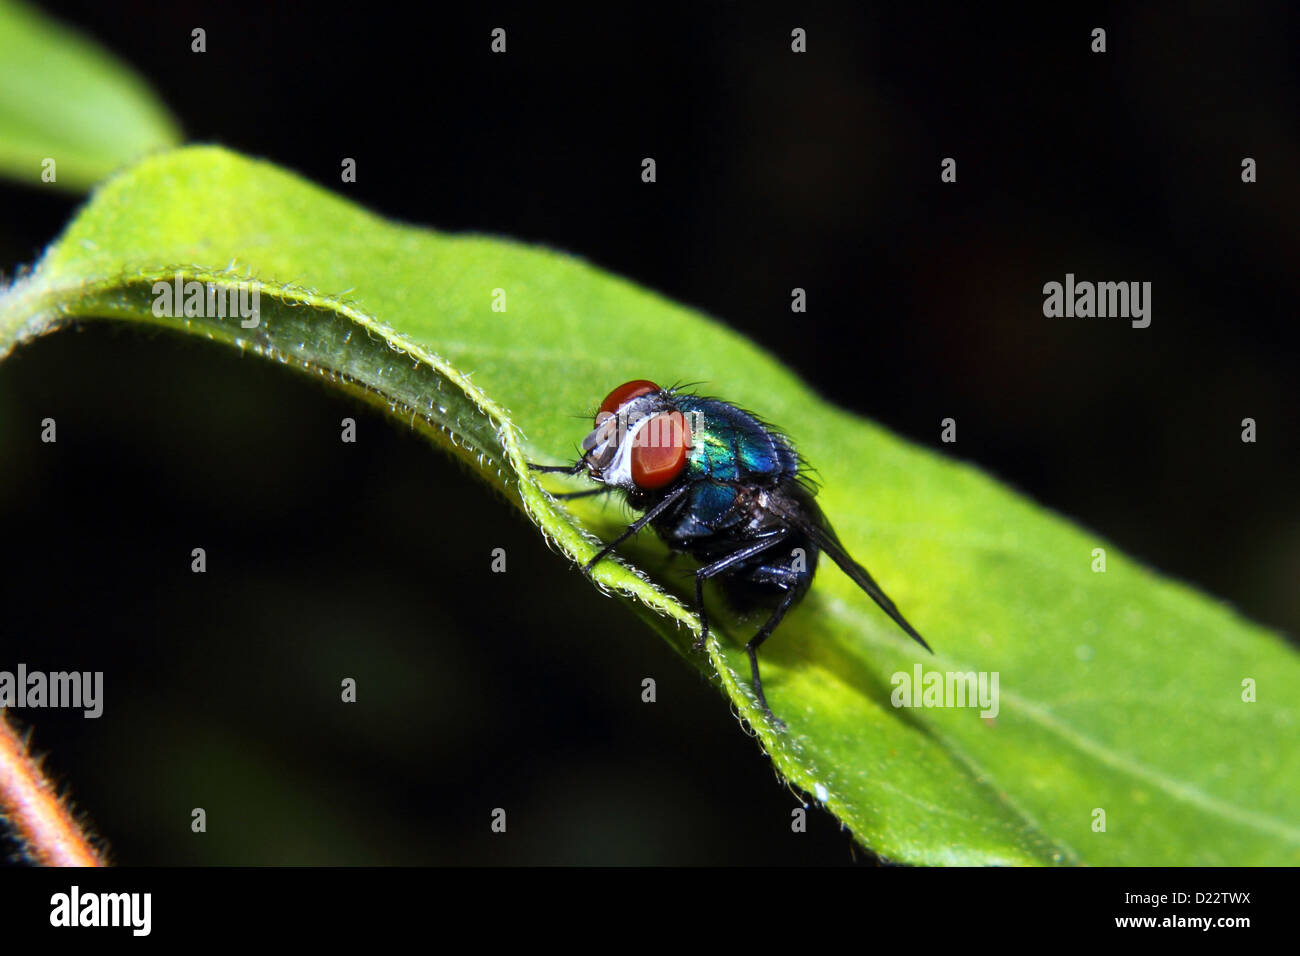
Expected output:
(719, 484)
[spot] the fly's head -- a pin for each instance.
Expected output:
(641, 442)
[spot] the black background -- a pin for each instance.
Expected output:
(775, 170)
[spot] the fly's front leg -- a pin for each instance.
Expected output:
(573, 469)
(568, 495)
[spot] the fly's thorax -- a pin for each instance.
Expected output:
(734, 445)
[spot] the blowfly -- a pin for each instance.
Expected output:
(719, 484)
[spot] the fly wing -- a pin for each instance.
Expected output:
(795, 517)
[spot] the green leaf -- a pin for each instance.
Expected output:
(65, 99)
(1119, 691)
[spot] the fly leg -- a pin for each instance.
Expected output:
(721, 566)
(573, 469)
(565, 496)
(669, 500)
(764, 632)
(559, 469)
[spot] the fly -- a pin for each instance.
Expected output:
(717, 483)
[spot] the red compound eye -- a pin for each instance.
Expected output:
(660, 450)
(624, 394)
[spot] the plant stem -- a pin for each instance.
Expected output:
(41, 821)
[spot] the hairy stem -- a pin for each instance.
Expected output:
(40, 820)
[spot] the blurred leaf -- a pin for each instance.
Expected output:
(63, 98)
(1120, 691)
